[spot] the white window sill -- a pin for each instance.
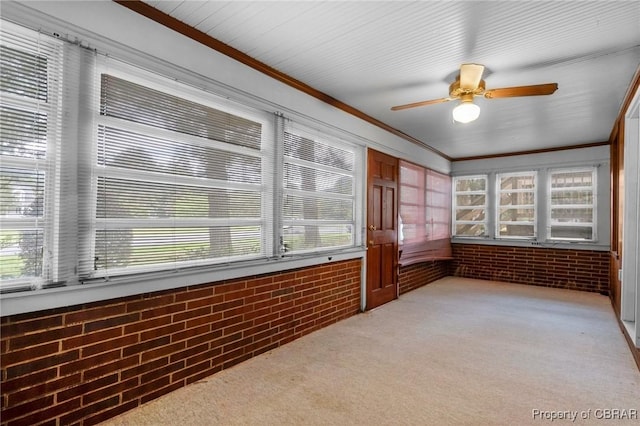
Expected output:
(574, 245)
(37, 300)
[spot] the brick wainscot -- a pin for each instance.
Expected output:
(84, 364)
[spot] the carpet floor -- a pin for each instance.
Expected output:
(455, 352)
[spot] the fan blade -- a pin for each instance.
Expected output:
(419, 104)
(510, 92)
(470, 76)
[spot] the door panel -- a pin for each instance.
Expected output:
(390, 219)
(376, 204)
(382, 242)
(374, 259)
(389, 268)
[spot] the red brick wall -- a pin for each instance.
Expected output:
(84, 364)
(586, 270)
(417, 275)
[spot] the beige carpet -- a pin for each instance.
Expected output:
(455, 352)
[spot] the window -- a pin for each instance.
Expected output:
(30, 84)
(470, 206)
(412, 203)
(567, 196)
(319, 192)
(572, 204)
(516, 200)
(425, 214)
(178, 182)
(438, 206)
(108, 170)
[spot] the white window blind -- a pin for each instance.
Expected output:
(516, 210)
(319, 192)
(178, 181)
(30, 133)
(438, 206)
(425, 212)
(424, 203)
(572, 213)
(412, 203)
(470, 206)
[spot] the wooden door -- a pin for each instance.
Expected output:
(382, 233)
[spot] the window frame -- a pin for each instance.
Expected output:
(419, 203)
(166, 85)
(433, 192)
(48, 165)
(454, 221)
(596, 161)
(498, 205)
(424, 246)
(306, 132)
(594, 204)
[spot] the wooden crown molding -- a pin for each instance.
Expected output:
(533, 151)
(215, 44)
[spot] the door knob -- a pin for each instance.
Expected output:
(372, 228)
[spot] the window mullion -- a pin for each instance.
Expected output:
(277, 161)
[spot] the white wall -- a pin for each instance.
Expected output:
(563, 158)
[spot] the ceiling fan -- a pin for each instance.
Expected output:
(469, 84)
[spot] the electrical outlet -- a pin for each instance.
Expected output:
(619, 274)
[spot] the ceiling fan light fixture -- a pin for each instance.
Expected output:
(466, 112)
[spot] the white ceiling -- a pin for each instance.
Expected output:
(372, 55)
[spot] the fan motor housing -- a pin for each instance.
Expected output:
(455, 91)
